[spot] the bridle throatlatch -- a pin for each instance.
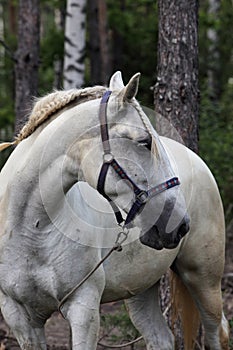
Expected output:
(141, 196)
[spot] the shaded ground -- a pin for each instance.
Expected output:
(57, 329)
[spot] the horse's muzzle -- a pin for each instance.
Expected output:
(156, 237)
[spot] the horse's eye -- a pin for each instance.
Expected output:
(145, 143)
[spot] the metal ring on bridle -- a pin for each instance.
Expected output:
(108, 157)
(142, 197)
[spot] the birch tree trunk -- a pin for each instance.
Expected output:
(176, 91)
(75, 38)
(27, 59)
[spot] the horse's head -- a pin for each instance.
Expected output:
(128, 164)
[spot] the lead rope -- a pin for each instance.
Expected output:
(117, 247)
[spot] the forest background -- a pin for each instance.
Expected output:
(127, 40)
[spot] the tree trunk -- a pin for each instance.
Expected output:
(59, 19)
(12, 17)
(27, 59)
(2, 49)
(176, 90)
(75, 39)
(98, 43)
(94, 42)
(118, 43)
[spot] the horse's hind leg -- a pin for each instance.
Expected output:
(200, 267)
(146, 315)
(28, 333)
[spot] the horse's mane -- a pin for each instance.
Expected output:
(45, 107)
(48, 105)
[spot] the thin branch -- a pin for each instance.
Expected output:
(8, 50)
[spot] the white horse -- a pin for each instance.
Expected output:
(55, 227)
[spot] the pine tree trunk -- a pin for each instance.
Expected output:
(27, 59)
(59, 19)
(176, 90)
(98, 42)
(94, 42)
(12, 17)
(118, 42)
(2, 29)
(75, 38)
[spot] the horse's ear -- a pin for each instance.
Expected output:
(131, 88)
(116, 82)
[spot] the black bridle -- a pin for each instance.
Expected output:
(141, 196)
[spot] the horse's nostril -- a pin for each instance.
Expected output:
(183, 229)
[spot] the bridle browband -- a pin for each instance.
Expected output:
(141, 196)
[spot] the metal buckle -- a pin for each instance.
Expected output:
(121, 238)
(142, 197)
(108, 157)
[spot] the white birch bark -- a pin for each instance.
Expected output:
(75, 35)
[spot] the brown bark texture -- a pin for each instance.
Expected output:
(27, 59)
(176, 92)
(99, 42)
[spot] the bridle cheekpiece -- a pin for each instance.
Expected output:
(141, 196)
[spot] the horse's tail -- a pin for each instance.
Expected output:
(183, 307)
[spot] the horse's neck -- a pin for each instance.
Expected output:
(40, 173)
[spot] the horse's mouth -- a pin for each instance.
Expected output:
(156, 240)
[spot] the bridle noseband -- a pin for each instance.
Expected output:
(141, 196)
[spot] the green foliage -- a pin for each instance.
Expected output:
(117, 327)
(216, 139)
(231, 327)
(51, 45)
(51, 51)
(225, 43)
(136, 26)
(221, 62)
(7, 74)
(216, 110)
